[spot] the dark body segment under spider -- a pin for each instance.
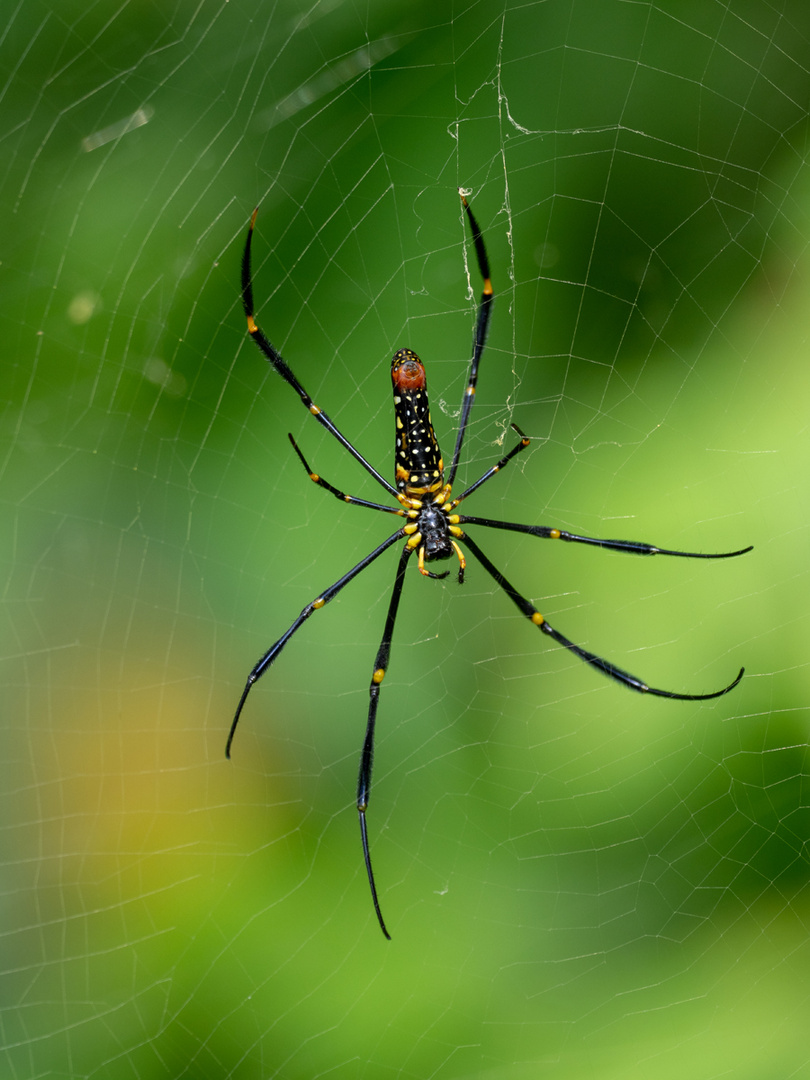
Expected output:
(433, 529)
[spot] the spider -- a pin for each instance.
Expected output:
(433, 530)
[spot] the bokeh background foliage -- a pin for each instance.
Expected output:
(579, 881)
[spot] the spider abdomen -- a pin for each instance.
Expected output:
(419, 465)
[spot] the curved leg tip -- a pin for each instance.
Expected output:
(694, 697)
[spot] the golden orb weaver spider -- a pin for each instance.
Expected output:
(433, 529)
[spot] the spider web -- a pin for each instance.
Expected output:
(578, 879)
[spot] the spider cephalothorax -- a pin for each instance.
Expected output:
(433, 529)
(432, 537)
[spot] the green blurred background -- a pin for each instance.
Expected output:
(579, 881)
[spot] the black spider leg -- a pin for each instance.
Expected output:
(316, 478)
(479, 338)
(281, 366)
(315, 605)
(524, 442)
(613, 672)
(632, 547)
(367, 757)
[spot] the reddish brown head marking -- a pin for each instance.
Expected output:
(407, 372)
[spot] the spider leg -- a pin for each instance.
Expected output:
(479, 337)
(315, 605)
(633, 547)
(284, 370)
(319, 480)
(367, 757)
(524, 442)
(613, 672)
